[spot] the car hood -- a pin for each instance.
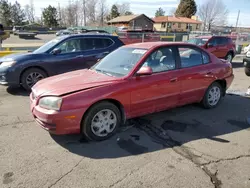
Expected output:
(71, 82)
(21, 56)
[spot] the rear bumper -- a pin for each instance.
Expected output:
(229, 80)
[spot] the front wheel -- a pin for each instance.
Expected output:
(247, 71)
(212, 96)
(229, 57)
(101, 121)
(31, 76)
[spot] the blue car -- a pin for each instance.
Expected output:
(60, 55)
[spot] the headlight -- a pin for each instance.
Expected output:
(248, 54)
(50, 103)
(7, 63)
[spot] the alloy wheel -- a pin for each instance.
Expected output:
(214, 96)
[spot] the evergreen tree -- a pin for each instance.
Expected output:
(17, 14)
(114, 12)
(5, 13)
(159, 12)
(186, 8)
(49, 16)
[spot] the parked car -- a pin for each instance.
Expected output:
(132, 81)
(63, 32)
(246, 62)
(16, 29)
(246, 49)
(220, 46)
(60, 55)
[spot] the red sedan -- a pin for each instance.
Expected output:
(132, 81)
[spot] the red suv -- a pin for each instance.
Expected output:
(220, 46)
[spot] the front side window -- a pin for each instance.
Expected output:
(213, 42)
(190, 57)
(44, 48)
(161, 60)
(71, 45)
(120, 62)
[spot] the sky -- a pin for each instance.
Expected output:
(149, 7)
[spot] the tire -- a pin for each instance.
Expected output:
(229, 57)
(36, 73)
(247, 71)
(90, 131)
(206, 102)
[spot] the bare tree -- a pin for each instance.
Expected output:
(29, 12)
(84, 15)
(123, 8)
(91, 7)
(103, 11)
(172, 11)
(213, 13)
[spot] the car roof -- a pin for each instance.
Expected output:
(208, 37)
(92, 35)
(148, 45)
(205, 37)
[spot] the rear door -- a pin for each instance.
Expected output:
(94, 49)
(195, 73)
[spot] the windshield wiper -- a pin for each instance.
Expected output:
(104, 72)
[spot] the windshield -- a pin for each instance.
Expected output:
(198, 41)
(120, 62)
(48, 45)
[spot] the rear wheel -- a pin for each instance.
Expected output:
(212, 96)
(101, 121)
(31, 76)
(229, 57)
(247, 71)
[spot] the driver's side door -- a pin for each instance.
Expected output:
(70, 56)
(212, 46)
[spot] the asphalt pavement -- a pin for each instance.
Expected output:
(183, 147)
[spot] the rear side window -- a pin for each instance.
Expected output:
(95, 43)
(205, 57)
(190, 57)
(107, 42)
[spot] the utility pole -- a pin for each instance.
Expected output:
(60, 15)
(32, 11)
(84, 12)
(237, 21)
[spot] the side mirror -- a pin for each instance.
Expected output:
(56, 51)
(210, 45)
(143, 71)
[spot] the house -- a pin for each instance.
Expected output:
(140, 22)
(176, 24)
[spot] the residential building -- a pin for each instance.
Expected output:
(140, 22)
(176, 24)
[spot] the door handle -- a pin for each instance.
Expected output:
(105, 53)
(80, 56)
(173, 80)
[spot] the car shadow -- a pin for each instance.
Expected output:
(35, 38)
(17, 91)
(166, 129)
(236, 65)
